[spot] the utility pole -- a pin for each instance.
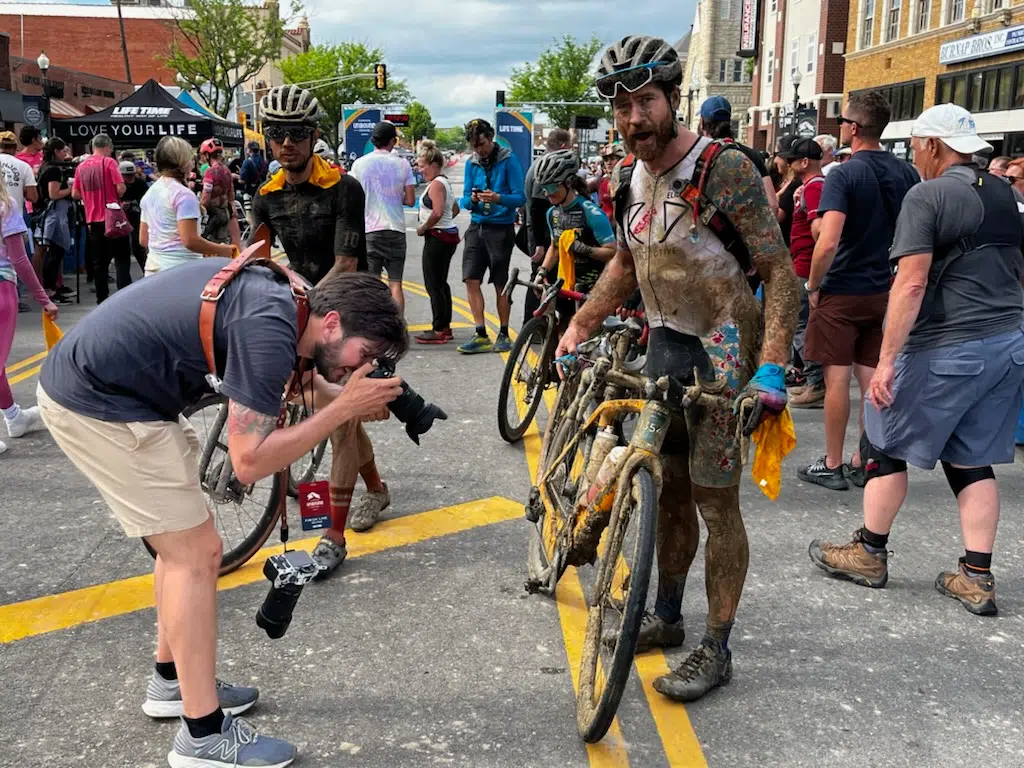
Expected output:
(124, 44)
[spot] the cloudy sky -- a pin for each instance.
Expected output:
(455, 53)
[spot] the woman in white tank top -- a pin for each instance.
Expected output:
(437, 213)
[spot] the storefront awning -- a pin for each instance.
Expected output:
(990, 125)
(61, 109)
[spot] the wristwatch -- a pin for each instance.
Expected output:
(807, 287)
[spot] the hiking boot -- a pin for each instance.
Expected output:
(328, 556)
(795, 378)
(707, 666)
(365, 515)
(433, 337)
(27, 420)
(819, 474)
(476, 345)
(851, 561)
(808, 396)
(655, 632)
(503, 343)
(236, 746)
(977, 593)
(163, 698)
(855, 475)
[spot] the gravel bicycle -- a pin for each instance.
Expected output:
(596, 502)
(529, 367)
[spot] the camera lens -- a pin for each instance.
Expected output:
(275, 614)
(412, 410)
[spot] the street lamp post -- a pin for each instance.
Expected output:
(44, 64)
(689, 108)
(796, 97)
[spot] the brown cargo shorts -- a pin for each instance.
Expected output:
(843, 330)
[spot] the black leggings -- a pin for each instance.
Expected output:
(437, 257)
(53, 260)
(103, 250)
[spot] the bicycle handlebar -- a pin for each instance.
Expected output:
(555, 287)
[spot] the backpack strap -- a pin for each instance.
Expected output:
(620, 197)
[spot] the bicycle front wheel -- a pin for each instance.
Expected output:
(616, 607)
(525, 377)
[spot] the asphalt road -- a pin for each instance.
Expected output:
(425, 650)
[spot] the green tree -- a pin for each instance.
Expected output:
(562, 73)
(316, 68)
(450, 138)
(220, 44)
(420, 125)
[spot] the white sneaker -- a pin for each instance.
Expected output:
(3, 446)
(27, 420)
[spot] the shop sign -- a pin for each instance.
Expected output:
(981, 46)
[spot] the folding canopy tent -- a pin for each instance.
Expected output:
(139, 121)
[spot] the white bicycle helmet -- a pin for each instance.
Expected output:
(290, 104)
(635, 61)
(323, 149)
(556, 167)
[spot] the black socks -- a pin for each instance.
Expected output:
(504, 330)
(167, 670)
(874, 542)
(208, 725)
(481, 331)
(977, 563)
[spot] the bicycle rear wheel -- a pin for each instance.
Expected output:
(526, 373)
(303, 470)
(617, 604)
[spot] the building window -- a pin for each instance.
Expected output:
(812, 52)
(984, 90)
(906, 99)
(993, 5)
(737, 71)
(775, 6)
(794, 56)
(956, 11)
(922, 14)
(770, 64)
(868, 25)
(721, 70)
(892, 27)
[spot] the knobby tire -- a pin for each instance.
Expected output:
(543, 329)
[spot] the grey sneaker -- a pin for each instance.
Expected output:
(328, 556)
(365, 515)
(705, 668)
(236, 746)
(654, 633)
(27, 420)
(163, 698)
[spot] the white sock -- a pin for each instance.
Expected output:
(12, 413)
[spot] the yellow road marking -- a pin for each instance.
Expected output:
(427, 326)
(68, 609)
(674, 727)
(12, 380)
(15, 367)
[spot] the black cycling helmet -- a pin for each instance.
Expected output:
(556, 167)
(635, 61)
(290, 104)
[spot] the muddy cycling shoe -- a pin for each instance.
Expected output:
(976, 593)
(654, 633)
(851, 561)
(328, 556)
(238, 745)
(366, 512)
(707, 666)
(163, 698)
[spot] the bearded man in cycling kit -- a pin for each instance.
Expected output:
(702, 314)
(317, 212)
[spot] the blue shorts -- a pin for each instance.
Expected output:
(957, 404)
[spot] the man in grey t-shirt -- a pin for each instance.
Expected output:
(950, 378)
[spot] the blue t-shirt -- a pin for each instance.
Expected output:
(138, 356)
(593, 229)
(856, 188)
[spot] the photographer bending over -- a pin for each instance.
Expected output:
(111, 393)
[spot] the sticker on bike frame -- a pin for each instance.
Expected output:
(652, 427)
(314, 505)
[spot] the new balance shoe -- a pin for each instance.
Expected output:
(707, 667)
(819, 474)
(851, 561)
(238, 745)
(366, 512)
(27, 420)
(476, 345)
(328, 556)
(503, 343)
(163, 698)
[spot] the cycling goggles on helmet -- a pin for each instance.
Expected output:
(278, 133)
(630, 80)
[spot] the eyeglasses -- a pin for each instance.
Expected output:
(551, 189)
(278, 133)
(631, 80)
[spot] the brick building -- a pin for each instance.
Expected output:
(799, 61)
(82, 91)
(712, 67)
(924, 52)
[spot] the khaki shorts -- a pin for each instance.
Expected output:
(146, 471)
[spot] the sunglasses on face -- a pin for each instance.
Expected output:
(630, 80)
(278, 133)
(841, 120)
(551, 189)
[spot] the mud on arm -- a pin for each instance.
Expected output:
(734, 185)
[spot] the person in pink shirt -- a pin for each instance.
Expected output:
(32, 140)
(98, 183)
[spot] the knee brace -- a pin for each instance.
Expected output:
(876, 462)
(959, 479)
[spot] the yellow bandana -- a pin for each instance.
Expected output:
(324, 175)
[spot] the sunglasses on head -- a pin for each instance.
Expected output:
(630, 80)
(278, 133)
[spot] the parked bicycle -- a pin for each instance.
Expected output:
(596, 502)
(530, 363)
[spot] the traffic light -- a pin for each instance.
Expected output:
(613, 135)
(381, 70)
(499, 99)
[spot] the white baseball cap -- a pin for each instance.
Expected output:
(953, 125)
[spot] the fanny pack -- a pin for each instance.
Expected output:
(446, 236)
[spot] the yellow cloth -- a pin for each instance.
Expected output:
(566, 261)
(323, 175)
(51, 333)
(775, 438)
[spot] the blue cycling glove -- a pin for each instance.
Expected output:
(764, 394)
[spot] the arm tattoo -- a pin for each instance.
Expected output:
(246, 421)
(734, 185)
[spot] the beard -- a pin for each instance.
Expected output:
(656, 139)
(327, 362)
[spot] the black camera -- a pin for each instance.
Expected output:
(288, 574)
(409, 407)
